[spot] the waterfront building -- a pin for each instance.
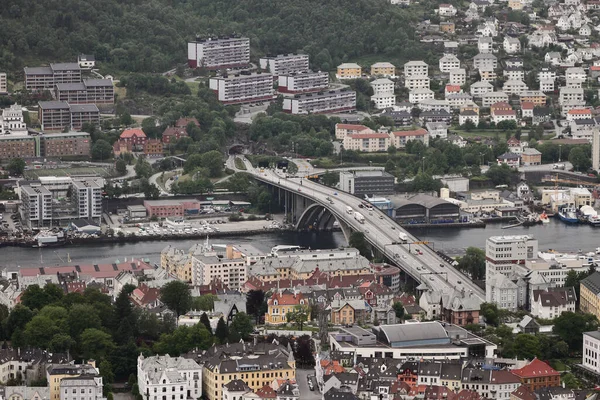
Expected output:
(361, 183)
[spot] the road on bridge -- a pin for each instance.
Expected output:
(380, 230)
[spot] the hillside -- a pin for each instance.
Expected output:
(151, 35)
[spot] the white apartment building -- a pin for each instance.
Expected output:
(416, 82)
(478, 89)
(243, 88)
(36, 206)
(382, 86)
(458, 76)
(552, 302)
(87, 198)
(575, 74)
(3, 83)
(339, 100)
(341, 130)
(83, 387)
(514, 87)
(514, 74)
(169, 378)
(546, 74)
(511, 45)
(547, 86)
(489, 99)
(485, 44)
(485, 61)
(418, 95)
(368, 142)
(488, 74)
(208, 266)
(285, 64)
(219, 52)
(457, 100)
(591, 351)
(449, 62)
(570, 95)
(383, 100)
(416, 68)
(505, 253)
(303, 82)
(435, 105)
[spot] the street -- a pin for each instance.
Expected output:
(305, 392)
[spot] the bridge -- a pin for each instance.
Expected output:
(312, 204)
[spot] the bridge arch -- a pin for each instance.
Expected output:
(321, 218)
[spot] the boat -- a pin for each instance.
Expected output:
(544, 218)
(513, 225)
(594, 220)
(49, 239)
(568, 214)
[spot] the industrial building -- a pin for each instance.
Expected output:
(216, 53)
(367, 183)
(422, 208)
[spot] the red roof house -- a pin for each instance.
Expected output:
(537, 374)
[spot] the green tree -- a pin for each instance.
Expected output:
(399, 310)
(299, 315)
(526, 346)
(96, 344)
(108, 376)
(490, 312)
(206, 322)
(222, 331)
(358, 241)
(16, 166)
(142, 168)
(17, 319)
(177, 297)
(569, 326)
(580, 159)
(205, 302)
(40, 331)
(82, 317)
(213, 160)
(61, 343)
(121, 167)
(500, 174)
(330, 178)
(242, 325)
(101, 150)
(35, 297)
(473, 263)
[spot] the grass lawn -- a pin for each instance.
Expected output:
(239, 164)
(36, 173)
(490, 133)
(194, 86)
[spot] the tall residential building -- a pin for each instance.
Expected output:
(590, 294)
(230, 270)
(303, 82)
(58, 115)
(87, 198)
(361, 183)
(82, 387)
(45, 78)
(285, 64)
(331, 101)
(416, 68)
(591, 351)
(56, 373)
(219, 52)
(83, 113)
(65, 144)
(36, 206)
(90, 91)
(17, 146)
(169, 378)
(243, 88)
(3, 83)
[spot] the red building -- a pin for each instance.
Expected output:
(153, 148)
(173, 133)
(537, 374)
(136, 137)
(121, 146)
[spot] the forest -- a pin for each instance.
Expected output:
(151, 35)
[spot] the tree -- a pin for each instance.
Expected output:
(150, 190)
(101, 150)
(108, 376)
(222, 331)
(16, 166)
(500, 174)
(121, 167)
(490, 312)
(206, 322)
(177, 297)
(205, 302)
(399, 310)
(299, 315)
(35, 297)
(143, 169)
(330, 178)
(40, 331)
(256, 304)
(569, 326)
(358, 241)
(473, 263)
(213, 160)
(242, 324)
(96, 344)
(82, 317)
(580, 159)
(17, 319)
(61, 343)
(526, 346)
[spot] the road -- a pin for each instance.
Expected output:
(153, 181)
(305, 392)
(381, 231)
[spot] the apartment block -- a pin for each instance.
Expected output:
(178, 376)
(567, 95)
(537, 97)
(400, 138)
(416, 68)
(65, 144)
(326, 102)
(84, 113)
(591, 351)
(58, 115)
(45, 78)
(285, 64)
(383, 69)
(228, 268)
(489, 99)
(349, 71)
(57, 372)
(458, 76)
(93, 91)
(36, 206)
(17, 146)
(215, 53)
(87, 199)
(369, 142)
(83, 387)
(417, 82)
(3, 83)
(243, 88)
(303, 82)
(449, 62)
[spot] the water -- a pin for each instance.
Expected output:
(555, 235)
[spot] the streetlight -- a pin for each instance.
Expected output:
(559, 151)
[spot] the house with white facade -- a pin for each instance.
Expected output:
(485, 44)
(511, 45)
(468, 115)
(421, 94)
(514, 73)
(416, 82)
(485, 60)
(570, 95)
(489, 99)
(458, 76)
(514, 87)
(416, 68)
(552, 302)
(447, 10)
(478, 89)
(178, 376)
(591, 351)
(449, 62)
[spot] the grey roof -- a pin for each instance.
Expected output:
(336, 394)
(592, 282)
(38, 70)
(97, 82)
(70, 86)
(84, 108)
(287, 389)
(53, 105)
(237, 385)
(155, 366)
(508, 156)
(87, 57)
(421, 199)
(451, 371)
(412, 332)
(594, 334)
(65, 66)
(430, 368)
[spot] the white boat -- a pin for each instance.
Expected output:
(544, 218)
